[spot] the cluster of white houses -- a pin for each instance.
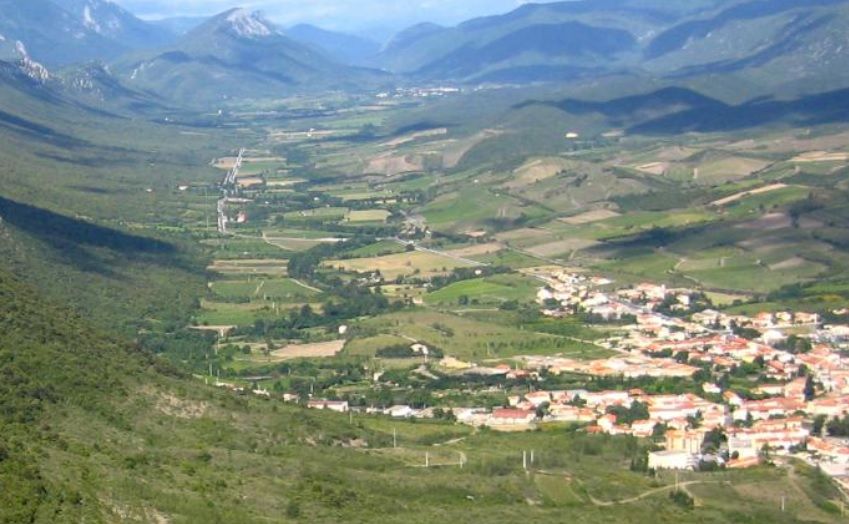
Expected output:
(777, 422)
(661, 346)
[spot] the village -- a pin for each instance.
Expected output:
(800, 383)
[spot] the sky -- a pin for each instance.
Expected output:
(352, 15)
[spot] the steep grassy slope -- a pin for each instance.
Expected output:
(90, 208)
(94, 431)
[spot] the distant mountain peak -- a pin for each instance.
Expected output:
(249, 24)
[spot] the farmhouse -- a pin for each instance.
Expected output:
(561, 413)
(685, 441)
(511, 417)
(339, 406)
(400, 412)
(671, 460)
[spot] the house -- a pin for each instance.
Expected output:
(769, 408)
(743, 449)
(778, 434)
(511, 417)
(807, 318)
(711, 389)
(733, 399)
(562, 413)
(607, 423)
(689, 442)
(643, 428)
(834, 450)
(772, 337)
(772, 390)
(652, 291)
(795, 390)
(671, 460)
(764, 321)
(538, 398)
(339, 406)
(400, 412)
(831, 406)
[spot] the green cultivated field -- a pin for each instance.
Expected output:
(465, 338)
(491, 290)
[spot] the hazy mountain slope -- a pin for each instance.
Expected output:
(678, 37)
(752, 41)
(785, 45)
(117, 24)
(341, 47)
(546, 46)
(676, 110)
(62, 32)
(94, 84)
(584, 33)
(52, 34)
(179, 25)
(235, 54)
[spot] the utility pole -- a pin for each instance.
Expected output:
(525, 460)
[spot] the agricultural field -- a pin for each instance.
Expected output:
(478, 341)
(231, 314)
(493, 290)
(381, 248)
(243, 267)
(472, 208)
(419, 263)
(277, 290)
(368, 215)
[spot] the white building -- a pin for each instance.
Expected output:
(671, 460)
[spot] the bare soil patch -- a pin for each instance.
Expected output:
(596, 215)
(476, 250)
(733, 198)
(317, 350)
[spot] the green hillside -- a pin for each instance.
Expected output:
(750, 41)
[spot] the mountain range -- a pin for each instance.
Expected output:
(762, 39)
(237, 54)
(760, 47)
(62, 32)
